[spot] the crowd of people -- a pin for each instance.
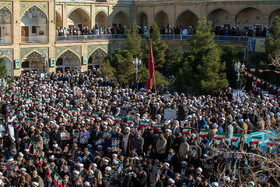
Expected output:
(251, 31)
(77, 129)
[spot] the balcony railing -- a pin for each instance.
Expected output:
(176, 37)
(34, 39)
(5, 40)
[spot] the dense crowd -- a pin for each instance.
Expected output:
(77, 129)
(252, 31)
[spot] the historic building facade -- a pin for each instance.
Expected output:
(28, 40)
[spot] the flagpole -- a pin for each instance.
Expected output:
(155, 84)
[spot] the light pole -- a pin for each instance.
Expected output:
(45, 55)
(136, 62)
(238, 68)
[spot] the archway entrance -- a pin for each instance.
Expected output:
(5, 26)
(250, 17)
(68, 61)
(142, 20)
(101, 20)
(273, 15)
(78, 19)
(33, 62)
(120, 20)
(58, 23)
(220, 17)
(162, 19)
(96, 59)
(186, 19)
(34, 26)
(7, 62)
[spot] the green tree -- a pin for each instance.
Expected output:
(208, 70)
(124, 70)
(230, 56)
(272, 44)
(159, 81)
(133, 41)
(3, 70)
(159, 48)
(106, 69)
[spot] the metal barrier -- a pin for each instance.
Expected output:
(35, 39)
(5, 40)
(175, 37)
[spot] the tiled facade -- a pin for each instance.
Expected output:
(29, 26)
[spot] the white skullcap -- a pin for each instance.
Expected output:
(108, 168)
(185, 163)
(87, 183)
(199, 169)
(35, 183)
(166, 163)
(80, 165)
(215, 184)
(94, 165)
(170, 180)
(251, 183)
(76, 172)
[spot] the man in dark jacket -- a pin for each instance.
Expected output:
(139, 178)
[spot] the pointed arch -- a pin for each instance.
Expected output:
(65, 50)
(68, 60)
(29, 53)
(36, 7)
(6, 22)
(220, 17)
(79, 18)
(9, 64)
(101, 19)
(96, 58)
(275, 12)
(249, 17)
(95, 50)
(4, 6)
(121, 19)
(161, 18)
(186, 19)
(142, 19)
(101, 10)
(79, 7)
(58, 20)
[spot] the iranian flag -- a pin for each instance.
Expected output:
(144, 124)
(246, 74)
(56, 178)
(157, 126)
(37, 102)
(106, 116)
(260, 71)
(57, 106)
(41, 161)
(203, 133)
(254, 78)
(95, 115)
(249, 75)
(84, 112)
(258, 80)
(278, 90)
(12, 119)
(186, 130)
(255, 140)
(118, 119)
(236, 137)
(130, 121)
(27, 99)
(65, 109)
(8, 95)
(272, 143)
(74, 111)
(277, 72)
(219, 135)
(252, 70)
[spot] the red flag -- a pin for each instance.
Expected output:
(150, 69)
